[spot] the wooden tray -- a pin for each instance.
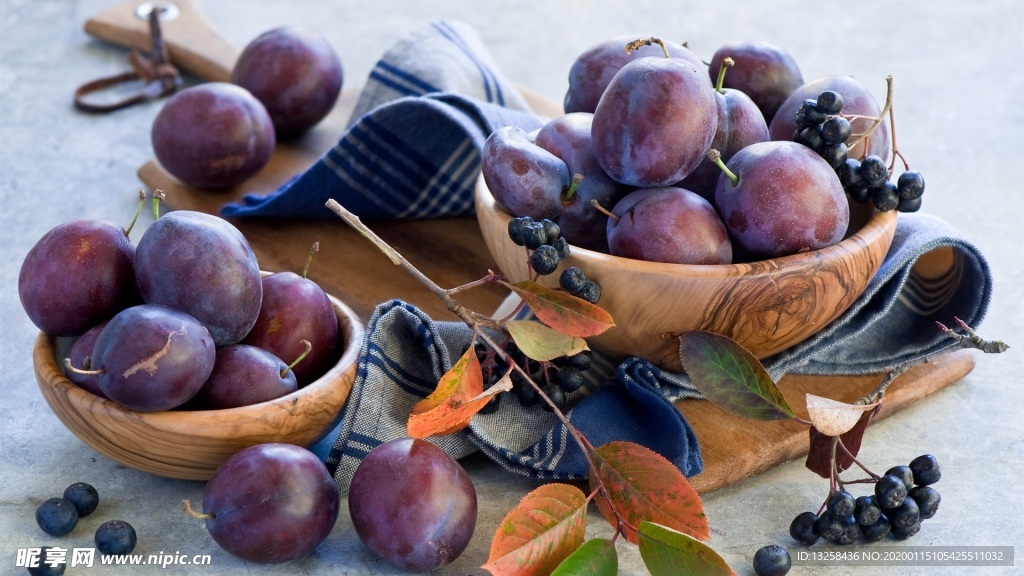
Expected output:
(452, 252)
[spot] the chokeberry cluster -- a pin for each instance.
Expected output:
(902, 498)
(544, 240)
(556, 378)
(821, 127)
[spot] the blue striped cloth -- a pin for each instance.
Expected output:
(412, 150)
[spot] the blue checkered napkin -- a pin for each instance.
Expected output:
(405, 353)
(412, 148)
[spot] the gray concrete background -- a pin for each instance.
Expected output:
(959, 79)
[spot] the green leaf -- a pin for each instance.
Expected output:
(541, 342)
(563, 311)
(597, 557)
(731, 377)
(643, 485)
(667, 552)
(538, 534)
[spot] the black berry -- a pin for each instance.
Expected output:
(590, 291)
(562, 246)
(841, 503)
(904, 532)
(927, 499)
(534, 235)
(43, 569)
(926, 470)
(809, 115)
(830, 102)
(812, 138)
(912, 205)
(83, 496)
(582, 360)
(878, 530)
(772, 560)
(544, 260)
(803, 528)
(57, 516)
(867, 510)
(556, 395)
(903, 473)
(835, 154)
(115, 538)
(906, 515)
(551, 231)
(885, 197)
(836, 130)
(910, 184)
(571, 280)
(890, 492)
(874, 171)
(838, 529)
(516, 227)
(570, 379)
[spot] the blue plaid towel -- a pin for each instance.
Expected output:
(412, 150)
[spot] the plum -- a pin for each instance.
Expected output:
(202, 265)
(270, 503)
(295, 309)
(740, 123)
(568, 137)
(525, 179)
(77, 275)
(763, 71)
(781, 198)
(668, 224)
(857, 99)
(295, 73)
(152, 358)
(412, 504)
(654, 122)
(593, 70)
(243, 375)
(80, 357)
(213, 136)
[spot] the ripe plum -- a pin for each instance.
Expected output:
(568, 137)
(654, 122)
(213, 136)
(202, 265)
(764, 71)
(592, 70)
(669, 224)
(80, 356)
(153, 357)
(525, 179)
(243, 375)
(412, 504)
(295, 309)
(295, 73)
(271, 503)
(77, 275)
(785, 199)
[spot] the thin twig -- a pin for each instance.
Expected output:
(876, 119)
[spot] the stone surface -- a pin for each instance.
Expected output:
(959, 73)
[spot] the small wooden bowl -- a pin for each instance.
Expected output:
(766, 306)
(190, 445)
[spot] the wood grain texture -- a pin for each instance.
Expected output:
(766, 306)
(191, 445)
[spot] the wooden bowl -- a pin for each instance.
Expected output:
(190, 445)
(766, 306)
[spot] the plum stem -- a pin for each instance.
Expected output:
(716, 157)
(138, 210)
(637, 44)
(82, 371)
(186, 505)
(309, 348)
(158, 195)
(567, 196)
(309, 258)
(603, 210)
(727, 63)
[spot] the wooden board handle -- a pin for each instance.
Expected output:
(193, 42)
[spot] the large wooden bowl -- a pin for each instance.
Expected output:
(190, 445)
(766, 306)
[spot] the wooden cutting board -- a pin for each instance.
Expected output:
(451, 251)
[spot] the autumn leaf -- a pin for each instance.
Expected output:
(541, 342)
(644, 485)
(562, 311)
(667, 552)
(458, 397)
(538, 534)
(597, 557)
(819, 453)
(832, 417)
(731, 377)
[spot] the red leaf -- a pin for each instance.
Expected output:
(458, 397)
(538, 534)
(562, 311)
(644, 485)
(819, 453)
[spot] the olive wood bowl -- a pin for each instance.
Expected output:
(766, 306)
(190, 445)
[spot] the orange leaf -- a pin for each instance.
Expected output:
(644, 485)
(539, 533)
(458, 397)
(562, 311)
